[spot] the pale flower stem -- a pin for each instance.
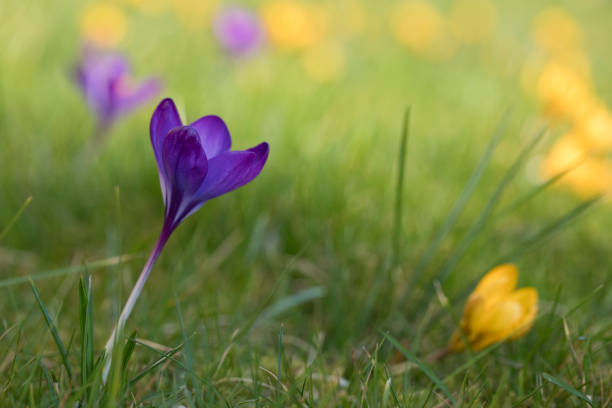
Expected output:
(129, 304)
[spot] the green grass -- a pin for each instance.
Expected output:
(300, 289)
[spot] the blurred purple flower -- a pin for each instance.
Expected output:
(105, 81)
(195, 164)
(238, 30)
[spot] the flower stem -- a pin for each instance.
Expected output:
(131, 301)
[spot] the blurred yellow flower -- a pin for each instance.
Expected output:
(324, 62)
(293, 25)
(564, 93)
(556, 31)
(419, 26)
(495, 311)
(587, 175)
(592, 177)
(103, 24)
(595, 128)
(473, 21)
(566, 153)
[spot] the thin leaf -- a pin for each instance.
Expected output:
(15, 217)
(52, 329)
(290, 302)
(567, 388)
(533, 193)
(70, 269)
(399, 191)
(428, 371)
(87, 329)
(128, 351)
(461, 202)
(549, 230)
(157, 363)
(475, 228)
(49, 381)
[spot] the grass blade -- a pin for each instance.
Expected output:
(290, 302)
(165, 356)
(52, 392)
(15, 217)
(549, 230)
(52, 329)
(475, 228)
(461, 202)
(102, 263)
(128, 351)
(399, 191)
(533, 193)
(87, 329)
(568, 388)
(428, 371)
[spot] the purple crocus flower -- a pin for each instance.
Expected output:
(238, 31)
(195, 165)
(105, 81)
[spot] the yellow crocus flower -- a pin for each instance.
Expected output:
(103, 24)
(422, 28)
(595, 128)
(292, 25)
(587, 175)
(495, 311)
(564, 93)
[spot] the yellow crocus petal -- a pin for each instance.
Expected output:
(527, 298)
(564, 93)
(501, 279)
(596, 129)
(592, 177)
(293, 25)
(422, 28)
(566, 153)
(103, 24)
(497, 317)
(495, 311)
(416, 24)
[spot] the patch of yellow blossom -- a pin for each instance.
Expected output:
(292, 25)
(103, 24)
(496, 311)
(421, 27)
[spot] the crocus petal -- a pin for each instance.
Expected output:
(185, 166)
(214, 135)
(97, 74)
(129, 97)
(528, 299)
(164, 119)
(501, 280)
(232, 170)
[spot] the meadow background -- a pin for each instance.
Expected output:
(280, 292)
